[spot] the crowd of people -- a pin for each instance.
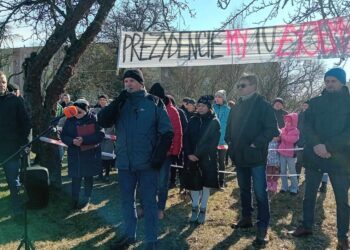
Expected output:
(263, 141)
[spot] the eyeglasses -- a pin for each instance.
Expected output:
(243, 85)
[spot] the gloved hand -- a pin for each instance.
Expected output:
(123, 96)
(156, 164)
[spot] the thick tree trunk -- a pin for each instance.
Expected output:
(41, 107)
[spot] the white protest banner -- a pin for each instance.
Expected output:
(326, 38)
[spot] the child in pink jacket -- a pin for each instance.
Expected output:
(289, 136)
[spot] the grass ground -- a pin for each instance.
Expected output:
(58, 227)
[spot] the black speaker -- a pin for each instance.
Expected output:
(37, 187)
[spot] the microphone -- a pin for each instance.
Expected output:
(68, 112)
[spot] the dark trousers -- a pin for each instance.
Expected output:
(221, 158)
(340, 184)
(245, 176)
(76, 183)
(300, 163)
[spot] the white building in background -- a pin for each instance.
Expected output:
(13, 59)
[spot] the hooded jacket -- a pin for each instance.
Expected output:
(289, 136)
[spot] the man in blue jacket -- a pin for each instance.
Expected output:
(144, 135)
(222, 110)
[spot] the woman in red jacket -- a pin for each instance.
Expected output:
(175, 149)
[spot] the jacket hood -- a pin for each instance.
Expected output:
(294, 117)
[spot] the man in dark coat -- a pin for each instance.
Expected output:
(14, 132)
(144, 136)
(278, 105)
(327, 131)
(251, 126)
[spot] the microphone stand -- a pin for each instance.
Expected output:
(22, 152)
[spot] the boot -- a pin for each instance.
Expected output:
(122, 242)
(194, 215)
(343, 244)
(201, 216)
(243, 223)
(261, 237)
(84, 205)
(323, 188)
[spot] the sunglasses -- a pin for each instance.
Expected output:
(243, 85)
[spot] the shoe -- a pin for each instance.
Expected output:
(323, 188)
(106, 179)
(194, 215)
(160, 214)
(343, 244)
(243, 223)
(84, 205)
(172, 185)
(283, 191)
(302, 232)
(201, 215)
(122, 243)
(151, 246)
(261, 238)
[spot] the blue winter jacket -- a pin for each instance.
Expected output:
(222, 112)
(139, 124)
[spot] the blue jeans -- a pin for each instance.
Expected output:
(146, 183)
(340, 184)
(245, 175)
(11, 169)
(163, 183)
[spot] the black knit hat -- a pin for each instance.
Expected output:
(135, 74)
(207, 100)
(157, 90)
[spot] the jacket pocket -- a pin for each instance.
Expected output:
(252, 155)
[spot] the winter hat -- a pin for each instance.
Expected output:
(135, 74)
(102, 96)
(189, 100)
(82, 103)
(221, 93)
(338, 73)
(279, 99)
(207, 100)
(157, 90)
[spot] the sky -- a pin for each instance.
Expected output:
(208, 17)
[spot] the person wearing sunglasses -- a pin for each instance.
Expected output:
(251, 126)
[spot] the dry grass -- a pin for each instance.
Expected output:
(58, 227)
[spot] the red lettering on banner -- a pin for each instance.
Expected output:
(286, 39)
(234, 38)
(305, 32)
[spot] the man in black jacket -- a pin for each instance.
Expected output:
(327, 131)
(251, 126)
(14, 132)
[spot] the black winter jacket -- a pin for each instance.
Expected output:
(14, 125)
(327, 121)
(251, 121)
(201, 139)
